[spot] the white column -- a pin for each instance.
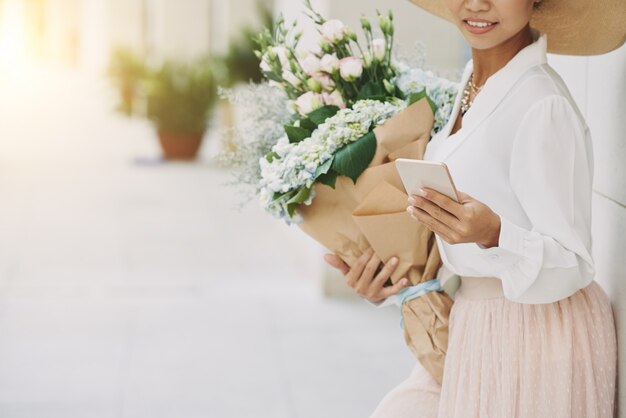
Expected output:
(599, 84)
(94, 46)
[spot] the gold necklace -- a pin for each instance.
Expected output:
(469, 89)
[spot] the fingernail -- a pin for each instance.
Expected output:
(422, 192)
(412, 200)
(404, 281)
(410, 209)
(393, 261)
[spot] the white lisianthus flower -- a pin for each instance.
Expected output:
(334, 30)
(334, 99)
(290, 78)
(264, 65)
(350, 68)
(380, 47)
(308, 102)
(310, 64)
(283, 56)
(329, 63)
(325, 81)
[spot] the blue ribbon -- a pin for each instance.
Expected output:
(416, 291)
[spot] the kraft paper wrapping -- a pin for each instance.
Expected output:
(372, 213)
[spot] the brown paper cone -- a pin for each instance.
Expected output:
(352, 217)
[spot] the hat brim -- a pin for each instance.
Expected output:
(575, 27)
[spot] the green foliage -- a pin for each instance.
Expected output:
(178, 96)
(354, 158)
(296, 133)
(319, 115)
(414, 97)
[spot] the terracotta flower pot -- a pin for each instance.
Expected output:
(180, 146)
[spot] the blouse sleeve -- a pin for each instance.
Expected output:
(551, 174)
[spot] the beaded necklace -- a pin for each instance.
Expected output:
(467, 91)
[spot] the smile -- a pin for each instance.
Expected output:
(479, 26)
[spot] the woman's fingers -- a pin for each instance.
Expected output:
(385, 273)
(337, 263)
(364, 276)
(444, 201)
(436, 211)
(367, 275)
(358, 268)
(392, 290)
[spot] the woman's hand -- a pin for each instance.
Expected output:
(362, 276)
(456, 222)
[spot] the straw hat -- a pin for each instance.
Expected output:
(574, 27)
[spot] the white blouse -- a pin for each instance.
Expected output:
(525, 151)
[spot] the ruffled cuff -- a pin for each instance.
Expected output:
(517, 259)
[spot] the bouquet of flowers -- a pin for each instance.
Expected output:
(334, 119)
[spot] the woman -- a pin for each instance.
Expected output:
(531, 333)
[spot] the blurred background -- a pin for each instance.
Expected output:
(133, 286)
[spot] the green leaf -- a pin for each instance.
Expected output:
(354, 158)
(283, 196)
(432, 104)
(307, 123)
(319, 115)
(414, 97)
(323, 169)
(299, 198)
(373, 91)
(271, 156)
(329, 178)
(296, 134)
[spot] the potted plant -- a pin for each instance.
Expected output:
(177, 98)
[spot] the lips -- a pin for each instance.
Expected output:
(479, 26)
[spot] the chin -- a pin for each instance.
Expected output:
(480, 43)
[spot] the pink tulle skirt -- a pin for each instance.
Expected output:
(512, 360)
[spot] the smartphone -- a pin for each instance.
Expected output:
(435, 175)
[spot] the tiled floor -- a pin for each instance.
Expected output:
(137, 290)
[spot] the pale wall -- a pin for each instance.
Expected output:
(599, 86)
(443, 44)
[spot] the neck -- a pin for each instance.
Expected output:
(487, 62)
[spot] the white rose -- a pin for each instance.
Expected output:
(290, 78)
(329, 63)
(350, 68)
(333, 30)
(308, 102)
(310, 64)
(334, 99)
(380, 47)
